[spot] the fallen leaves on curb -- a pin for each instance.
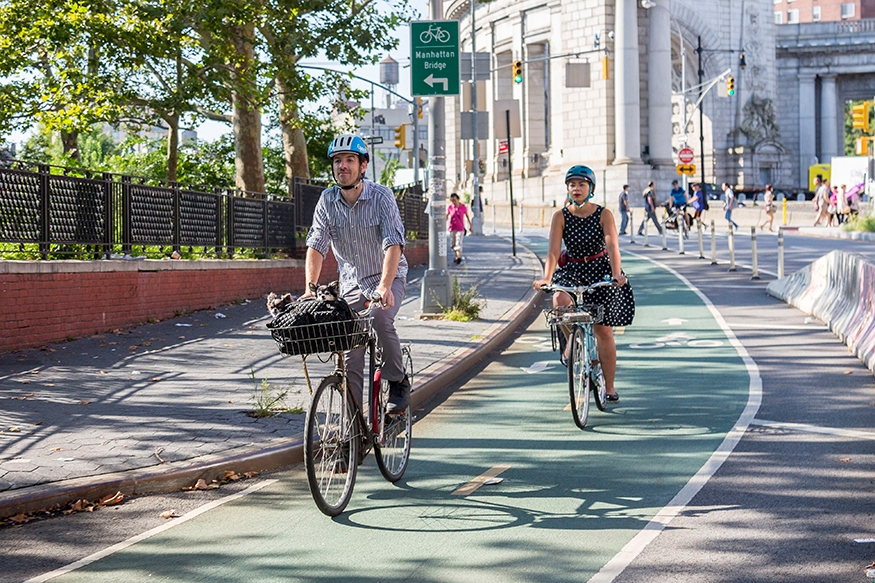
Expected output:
(23, 397)
(172, 513)
(81, 505)
(227, 476)
(845, 460)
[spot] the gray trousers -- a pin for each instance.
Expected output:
(387, 336)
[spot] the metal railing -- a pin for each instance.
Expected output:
(77, 213)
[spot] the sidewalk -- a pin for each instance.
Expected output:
(160, 406)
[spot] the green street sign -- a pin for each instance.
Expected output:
(434, 57)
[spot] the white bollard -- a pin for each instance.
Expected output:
(731, 249)
(753, 251)
(631, 226)
(493, 220)
(680, 240)
(713, 244)
(780, 253)
(701, 242)
(646, 238)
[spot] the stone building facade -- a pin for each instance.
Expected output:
(629, 124)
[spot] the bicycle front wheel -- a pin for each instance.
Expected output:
(393, 440)
(578, 376)
(331, 446)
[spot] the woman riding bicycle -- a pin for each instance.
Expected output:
(593, 250)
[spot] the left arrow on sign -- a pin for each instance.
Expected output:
(539, 366)
(431, 80)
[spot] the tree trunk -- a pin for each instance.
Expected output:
(70, 143)
(294, 141)
(172, 146)
(248, 159)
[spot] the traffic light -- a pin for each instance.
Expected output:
(517, 71)
(419, 107)
(401, 136)
(730, 86)
(860, 116)
(862, 146)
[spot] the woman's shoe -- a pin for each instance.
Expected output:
(612, 398)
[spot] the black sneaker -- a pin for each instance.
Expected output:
(399, 396)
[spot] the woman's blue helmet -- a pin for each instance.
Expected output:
(583, 172)
(348, 143)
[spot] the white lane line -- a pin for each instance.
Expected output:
(813, 326)
(754, 397)
(852, 433)
(148, 534)
(474, 484)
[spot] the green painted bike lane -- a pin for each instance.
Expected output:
(569, 499)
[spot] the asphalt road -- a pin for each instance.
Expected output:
(793, 494)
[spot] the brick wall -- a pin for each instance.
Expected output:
(49, 301)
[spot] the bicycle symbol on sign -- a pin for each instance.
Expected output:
(677, 339)
(434, 33)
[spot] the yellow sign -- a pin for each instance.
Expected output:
(686, 169)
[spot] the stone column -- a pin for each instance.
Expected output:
(807, 128)
(627, 114)
(829, 146)
(659, 83)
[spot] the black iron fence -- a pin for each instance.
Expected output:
(71, 212)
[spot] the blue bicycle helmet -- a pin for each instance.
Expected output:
(583, 172)
(348, 143)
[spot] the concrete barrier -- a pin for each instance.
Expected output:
(838, 288)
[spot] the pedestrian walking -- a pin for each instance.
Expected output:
(821, 200)
(649, 209)
(360, 222)
(698, 201)
(593, 248)
(728, 205)
(770, 207)
(624, 209)
(843, 209)
(457, 216)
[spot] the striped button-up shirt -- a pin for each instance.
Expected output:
(359, 234)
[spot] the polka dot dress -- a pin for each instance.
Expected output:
(583, 237)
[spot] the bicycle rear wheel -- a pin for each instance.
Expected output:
(392, 448)
(331, 446)
(578, 377)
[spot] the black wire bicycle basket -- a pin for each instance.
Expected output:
(338, 336)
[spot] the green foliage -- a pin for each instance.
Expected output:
(387, 176)
(267, 400)
(466, 305)
(861, 223)
(851, 134)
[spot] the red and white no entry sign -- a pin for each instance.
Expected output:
(685, 156)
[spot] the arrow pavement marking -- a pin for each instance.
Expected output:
(431, 80)
(539, 366)
(675, 321)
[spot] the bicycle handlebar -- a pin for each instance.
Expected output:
(577, 290)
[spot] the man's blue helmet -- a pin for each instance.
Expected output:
(584, 172)
(348, 143)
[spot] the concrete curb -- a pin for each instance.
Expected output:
(838, 288)
(836, 233)
(282, 453)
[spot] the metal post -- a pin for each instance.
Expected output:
(664, 237)
(477, 223)
(509, 178)
(436, 288)
(731, 249)
(373, 151)
(701, 111)
(522, 218)
(780, 253)
(753, 251)
(713, 244)
(416, 107)
(701, 243)
(784, 209)
(493, 219)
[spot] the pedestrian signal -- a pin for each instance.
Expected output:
(860, 116)
(401, 136)
(517, 71)
(730, 86)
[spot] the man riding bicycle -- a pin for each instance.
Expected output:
(359, 220)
